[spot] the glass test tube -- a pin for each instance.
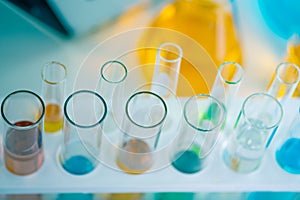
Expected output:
(287, 155)
(53, 93)
(226, 86)
(112, 75)
(293, 55)
(260, 114)
(84, 112)
(23, 113)
(285, 81)
(165, 77)
(166, 71)
(198, 133)
(142, 124)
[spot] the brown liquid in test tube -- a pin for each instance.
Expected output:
(23, 150)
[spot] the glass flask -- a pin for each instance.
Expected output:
(260, 114)
(287, 155)
(23, 113)
(209, 22)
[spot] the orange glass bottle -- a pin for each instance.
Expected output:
(209, 23)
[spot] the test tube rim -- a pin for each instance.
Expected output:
(114, 61)
(279, 77)
(235, 64)
(54, 82)
(152, 93)
(83, 126)
(245, 115)
(36, 121)
(220, 104)
(178, 59)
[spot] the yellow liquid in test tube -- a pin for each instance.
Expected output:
(53, 121)
(209, 23)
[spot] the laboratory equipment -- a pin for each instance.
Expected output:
(226, 86)
(53, 93)
(112, 76)
(167, 69)
(23, 113)
(287, 155)
(260, 115)
(84, 112)
(142, 124)
(285, 81)
(198, 134)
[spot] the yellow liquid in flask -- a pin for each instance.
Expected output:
(208, 23)
(294, 57)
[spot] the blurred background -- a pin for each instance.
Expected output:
(251, 33)
(258, 34)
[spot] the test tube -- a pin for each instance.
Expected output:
(285, 81)
(112, 75)
(53, 93)
(84, 112)
(141, 127)
(293, 55)
(23, 113)
(226, 86)
(166, 71)
(261, 113)
(198, 134)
